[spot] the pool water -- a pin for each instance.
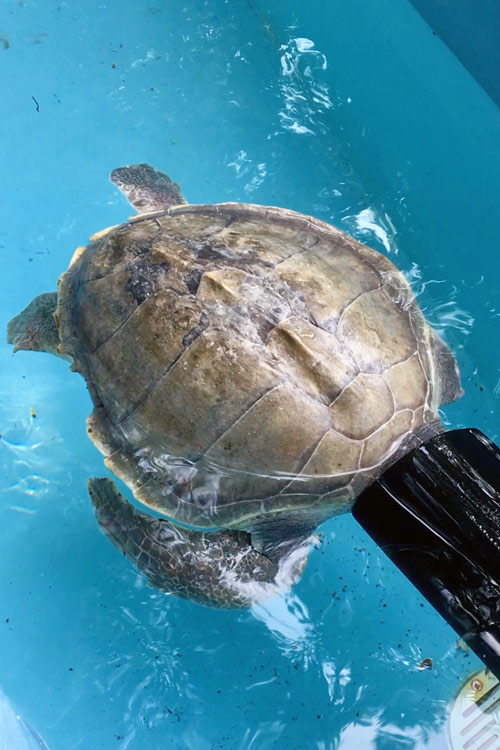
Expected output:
(352, 111)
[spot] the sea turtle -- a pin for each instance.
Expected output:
(252, 370)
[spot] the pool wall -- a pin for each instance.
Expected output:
(471, 29)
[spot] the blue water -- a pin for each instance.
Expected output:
(352, 111)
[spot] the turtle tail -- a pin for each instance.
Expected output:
(218, 569)
(35, 328)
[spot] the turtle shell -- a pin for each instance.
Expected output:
(246, 360)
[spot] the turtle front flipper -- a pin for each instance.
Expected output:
(35, 328)
(218, 569)
(146, 188)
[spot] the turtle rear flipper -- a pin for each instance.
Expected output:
(35, 328)
(218, 569)
(146, 188)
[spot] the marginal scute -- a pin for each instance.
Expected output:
(156, 495)
(98, 433)
(449, 386)
(125, 466)
(64, 313)
(338, 501)
(102, 233)
(362, 407)
(77, 255)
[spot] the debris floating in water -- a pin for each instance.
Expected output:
(425, 664)
(36, 104)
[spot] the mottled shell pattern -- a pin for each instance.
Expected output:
(246, 360)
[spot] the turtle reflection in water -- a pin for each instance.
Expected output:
(252, 370)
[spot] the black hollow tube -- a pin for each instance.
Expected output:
(436, 514)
